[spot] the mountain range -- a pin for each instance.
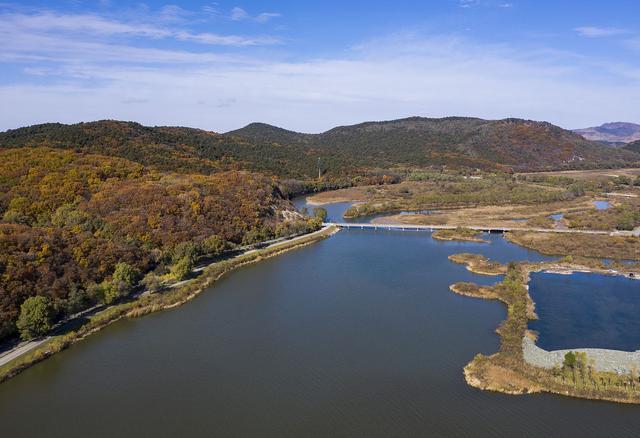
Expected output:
(613, 134)
(345, 151)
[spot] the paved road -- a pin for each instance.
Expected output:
(21, 349)
(25, 347)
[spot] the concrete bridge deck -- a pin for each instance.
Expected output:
(479, 228)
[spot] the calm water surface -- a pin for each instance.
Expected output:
(357, 335)
(586, 310)
(335, 211)
(601, 205)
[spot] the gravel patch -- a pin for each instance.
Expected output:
(621, 362)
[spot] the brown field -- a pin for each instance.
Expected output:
(582, 245)
(585, 175)
(494, 216)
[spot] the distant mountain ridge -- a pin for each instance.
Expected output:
(515, 143)
(614, 134)
(344, 152)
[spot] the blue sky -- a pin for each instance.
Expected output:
(309, 66)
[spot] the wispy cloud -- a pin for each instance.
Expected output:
(91, 25)
(599, 32)
(140, 67)
(467, 4)
(387, 78)
(239, 14)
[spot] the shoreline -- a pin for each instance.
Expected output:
(509, 372)
(159, 301)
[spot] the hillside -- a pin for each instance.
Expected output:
(613, 134)
(416, 141)
(176, 149)
(69, 219)
(346, 153)
(634, 147)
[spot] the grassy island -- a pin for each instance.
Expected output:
(479, 264)
(459, 234)
(506, 371)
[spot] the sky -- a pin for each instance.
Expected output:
(312, 65)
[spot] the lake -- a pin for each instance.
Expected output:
(356, 335)
(586, 310)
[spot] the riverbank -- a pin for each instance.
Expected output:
(509, 372)
(149, 303)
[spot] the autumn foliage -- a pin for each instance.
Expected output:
(69, 219)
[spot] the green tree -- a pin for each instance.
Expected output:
(213, 245)
(182, 268)
(36, 316)
(570, 360)
(126, 274)
(320, 213)
(184, 249)
(152, 282)
(112, 291)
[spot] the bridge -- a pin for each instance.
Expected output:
(478, 228)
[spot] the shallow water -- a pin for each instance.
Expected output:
(357, 335)
(335, 211)
(601, 205)
(586, 310)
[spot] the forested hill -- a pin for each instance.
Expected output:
(79, 229)
(634, 147)
(176, 149)
(515, 143)
(344, 152)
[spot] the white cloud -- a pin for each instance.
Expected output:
(468, 3)
(89, 25)
(388, 78)
(239, 14)
(599, 32)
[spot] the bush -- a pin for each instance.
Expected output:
(152, 282)
(36, 315)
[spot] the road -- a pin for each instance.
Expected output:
(409, 227)
(25, 347)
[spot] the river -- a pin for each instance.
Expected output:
(356, 335)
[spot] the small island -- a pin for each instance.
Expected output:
(520, 367)
(459, 234)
